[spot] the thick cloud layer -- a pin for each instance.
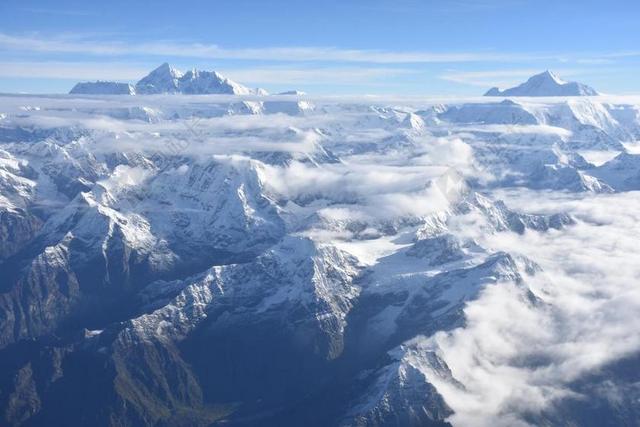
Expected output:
(517, 359)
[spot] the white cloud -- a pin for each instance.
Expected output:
(517, 359)
(325, 75)
(258, 76)
(79, 45)
(72, 70)
(513, 358)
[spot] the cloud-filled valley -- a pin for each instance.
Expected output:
(322, 260)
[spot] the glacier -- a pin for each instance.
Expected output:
(207, 254)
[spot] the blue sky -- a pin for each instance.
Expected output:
(458, 47)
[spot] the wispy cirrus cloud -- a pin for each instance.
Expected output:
(315, 76)
(252, 75)
(93, 56)
(92, 45)
(80, 45)
(72, 70)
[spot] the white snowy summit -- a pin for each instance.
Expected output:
(163, 79)
(166, 79)
(102, 88)
(545, 84)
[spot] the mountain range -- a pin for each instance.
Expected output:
(166, 79)
(190, 261)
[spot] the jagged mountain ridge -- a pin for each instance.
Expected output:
(168, 80)
(206, 263)
(546, 83)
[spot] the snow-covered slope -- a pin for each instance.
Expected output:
(295, 107)
(102, 88)
(506, 112)
(622, 173)
(545, 84)
(289, 260)
(166, 79)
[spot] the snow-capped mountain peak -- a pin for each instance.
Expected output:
(545, 84)
(167, 68)
(102, 88)
(549, 75)
(166, 79)
(209, 82)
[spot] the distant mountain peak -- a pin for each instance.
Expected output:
(546, 83)
(166, 79)
(164, 66)
(102, 88)
(550, 75)
(166, 69)
(163, 79)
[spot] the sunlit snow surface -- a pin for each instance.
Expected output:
(506, 308)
